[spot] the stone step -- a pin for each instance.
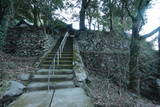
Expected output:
(57, 67)
(60, 66)
(36, 86)
(44, 78)
(64, 52)
(68, 48)
(33, 99)
(56, 71)
(63, 55)
(62, 61)
(67, 58)
(50, 62)
(71, 97)
(68, 97)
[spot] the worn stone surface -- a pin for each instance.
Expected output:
(56, 71)
(79, 68)
(72, 97)
(24, 77)
(15, 88)
(52, 77)
(33, 99)
(53, 85)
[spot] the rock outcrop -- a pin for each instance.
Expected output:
(24, 77)
(15, 88)
(10, 91)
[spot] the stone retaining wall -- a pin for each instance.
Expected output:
(79, 67)
(108, 54)
(28, 41)
(80, 70)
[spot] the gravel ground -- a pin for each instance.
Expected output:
(107, 94)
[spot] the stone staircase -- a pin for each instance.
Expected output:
(66, 59)
(63, 74)
(63, 92)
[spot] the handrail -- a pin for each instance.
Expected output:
(56, 56)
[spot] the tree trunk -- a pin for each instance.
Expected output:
(94, 26)
(111, 23)
(2, 11)
(82, 15)
(35, 15)
(133, 62)
(122, 16)
(98, 24)
(90, 22)
(103, 28)
(35, 20)
(12, 13)
(84, 6)
(110, 15)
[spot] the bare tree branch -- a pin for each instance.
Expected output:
(141, 7)
(151, 33)
(127, 9)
